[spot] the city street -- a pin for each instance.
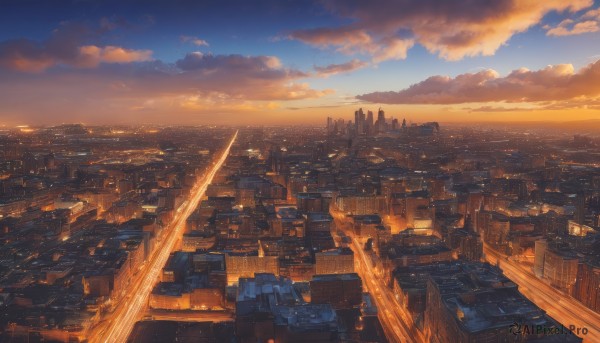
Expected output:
(395, 319)
(118, 324)
(557, 305)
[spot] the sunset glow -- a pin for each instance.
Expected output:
(272, 63)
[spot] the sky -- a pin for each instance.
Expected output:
(297, 62)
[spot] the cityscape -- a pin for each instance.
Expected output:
(274, 172)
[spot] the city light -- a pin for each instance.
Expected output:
(300, 171)
(121, 322)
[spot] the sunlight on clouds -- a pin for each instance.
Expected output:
(387, 29)
(586, 23)
(92, 55)
(554, 82)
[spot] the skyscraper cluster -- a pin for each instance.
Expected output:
(367, 125)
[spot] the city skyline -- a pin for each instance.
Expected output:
(286, 171)
(271, 62)
(370, 230)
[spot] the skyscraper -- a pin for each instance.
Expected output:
(359, 121)
(380, 124)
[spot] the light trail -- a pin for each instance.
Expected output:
(121, 321)
(558, 305)
(392, 318)
(395, 319)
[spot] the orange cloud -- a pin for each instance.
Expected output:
(489, 109)
(240, 77)
(64, 47)
(197, 84)
(351, 41)
(207, 103)
(21, 55)
(91, 55)
(553, 83)
(115, 54)
(386, 29)
(586, 23)
(346, 67)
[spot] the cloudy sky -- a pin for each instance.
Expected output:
(278, 62)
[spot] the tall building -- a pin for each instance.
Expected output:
(587, 286)
(360, 122)
(380, 123)
(330, 125)
(560, 268)
(381, 115)
(369, 124)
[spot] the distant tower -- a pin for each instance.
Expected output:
(381, 115)
(380, 124)
(362, 121)
(359, 121)
(339, 126)
(369, 125)
(403, 124)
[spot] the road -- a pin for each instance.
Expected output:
(118, 324)
(395, 319)
(563, 308)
